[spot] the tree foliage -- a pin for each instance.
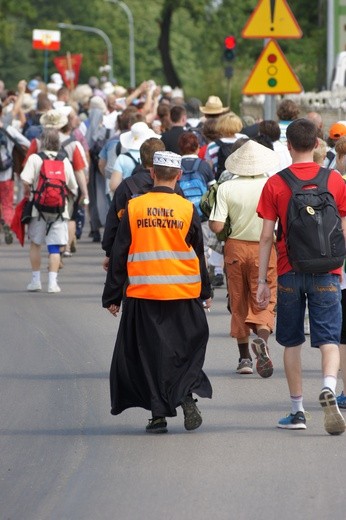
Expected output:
(179, 42)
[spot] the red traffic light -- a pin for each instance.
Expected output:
(230, 42)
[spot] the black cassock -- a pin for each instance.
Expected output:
(159, 355)
(161, 344)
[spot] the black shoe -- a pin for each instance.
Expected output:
(192, 416)
(157, 425)
(96, 236)
(217, 280)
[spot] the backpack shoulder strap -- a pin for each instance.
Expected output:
(322, 177)
(42, 155)
(67, 141)
(129, 155)
(131, 183)
(61, 155)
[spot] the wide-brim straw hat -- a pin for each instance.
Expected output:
(53, 119)
(213, 106)
(252, 159)
(139, 133)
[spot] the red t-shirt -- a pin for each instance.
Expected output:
(276, 194)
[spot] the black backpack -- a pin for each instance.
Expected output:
(225, 150)
(314, 237)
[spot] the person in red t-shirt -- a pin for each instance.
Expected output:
(322, 291)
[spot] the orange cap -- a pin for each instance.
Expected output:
(337, 130)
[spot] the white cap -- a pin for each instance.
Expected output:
(169, 159)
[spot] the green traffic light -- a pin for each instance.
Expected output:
(272, 82)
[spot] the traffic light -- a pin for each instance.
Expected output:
(229, 48)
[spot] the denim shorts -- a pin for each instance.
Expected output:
(323, 294)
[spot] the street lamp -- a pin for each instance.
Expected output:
(128, 12)
(100, 33)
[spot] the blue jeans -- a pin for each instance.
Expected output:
(322, 291)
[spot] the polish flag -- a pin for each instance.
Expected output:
(45, 40)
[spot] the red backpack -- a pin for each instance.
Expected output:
(51, 191)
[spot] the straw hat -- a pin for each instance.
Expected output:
(53, 119)
(139, 133)
(169, 159)
(214, 106)
(252, 159)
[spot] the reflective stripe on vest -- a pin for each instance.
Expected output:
(160, 263)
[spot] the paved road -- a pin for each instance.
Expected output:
(64, 457)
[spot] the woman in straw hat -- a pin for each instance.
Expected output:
(238, 198)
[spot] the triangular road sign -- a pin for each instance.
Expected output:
(272, 19)
(272, 74)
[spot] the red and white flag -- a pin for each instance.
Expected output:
(69, 67)
(45, 40)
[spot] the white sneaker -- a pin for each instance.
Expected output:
(34, 286)
(54, 288)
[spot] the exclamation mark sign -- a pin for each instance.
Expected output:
(272, 13)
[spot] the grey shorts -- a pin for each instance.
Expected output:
(57, 232)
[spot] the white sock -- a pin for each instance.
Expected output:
(297, 404)
(36, 276)
(330, 382)
(52, 278)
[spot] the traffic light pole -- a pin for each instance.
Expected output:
(229, 83)
(269, 107)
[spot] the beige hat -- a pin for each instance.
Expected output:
(214, 106)
(252, 159)
(139, 133)
(28, 103)
(120, 91)
(165, 158)
(53, 119)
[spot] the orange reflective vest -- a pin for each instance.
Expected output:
(160, 265)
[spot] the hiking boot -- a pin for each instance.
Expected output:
(334, 422)
(192, 416)
(264, 365)
(341, 400)
(157, 425)
(244, 367)
(54, 288)
(34, 286)
(8, 234)
(295, 421)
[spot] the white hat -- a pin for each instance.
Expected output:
(169, 159)
(108, 88)
(139, 133)
(97, 102)
(252, 159)
(53, 119)
(213, 106)
(57, 78)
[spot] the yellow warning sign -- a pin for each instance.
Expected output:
(272, 19)
(272, 74)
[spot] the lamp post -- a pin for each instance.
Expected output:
(100, 33)
(128, 12)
